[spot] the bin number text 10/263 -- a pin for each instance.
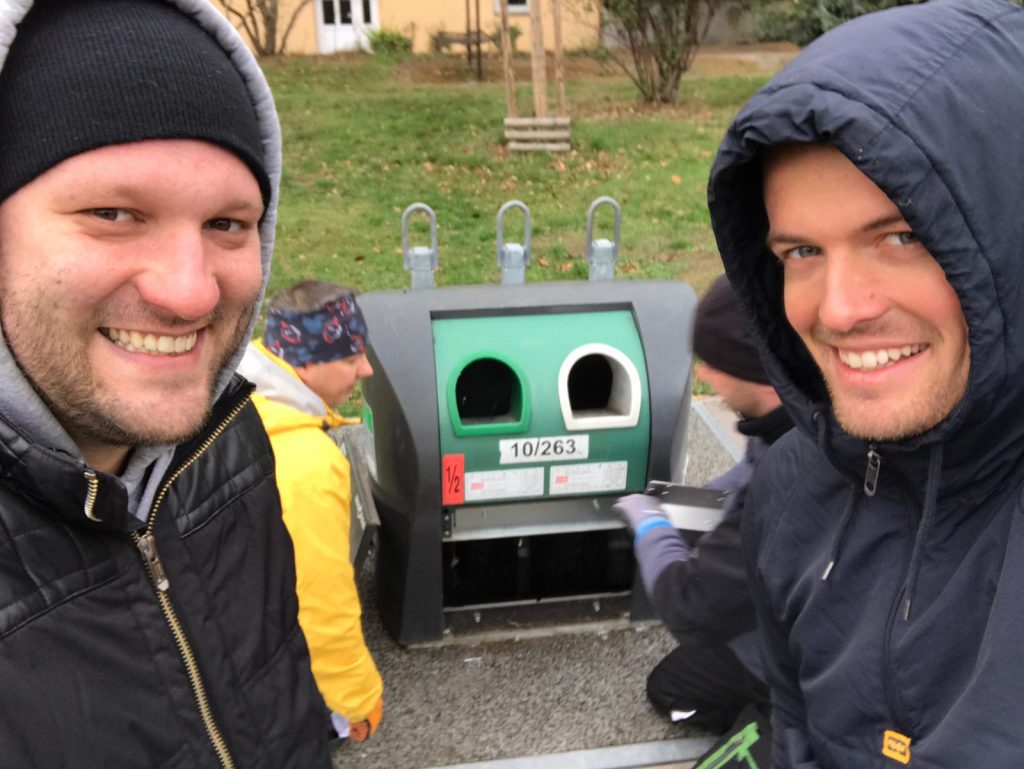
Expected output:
(544, 449)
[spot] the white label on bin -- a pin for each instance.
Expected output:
(582, 479)
(504, 484)
(554, 448)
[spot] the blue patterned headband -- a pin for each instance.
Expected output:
(335, 331)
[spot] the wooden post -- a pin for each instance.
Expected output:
(540, 75)
(556, 13)
(506, 57)
(469, 32)
(479, 47)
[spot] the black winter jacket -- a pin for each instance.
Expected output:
(97, 662)
(705, 599)
(914, 633)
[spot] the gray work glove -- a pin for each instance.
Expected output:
(635, 509)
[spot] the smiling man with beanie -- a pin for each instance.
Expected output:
(147, 608)
(701, 593)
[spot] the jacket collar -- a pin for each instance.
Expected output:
(65, 485)
(768, 427)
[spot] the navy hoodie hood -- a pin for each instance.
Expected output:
(936, 124)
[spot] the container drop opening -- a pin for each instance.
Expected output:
(599, 388)
(590, 385)
(488, 391)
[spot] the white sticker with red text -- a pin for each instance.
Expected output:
(504, 484)
(588, 478)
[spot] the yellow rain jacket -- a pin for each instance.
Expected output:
(314, 483)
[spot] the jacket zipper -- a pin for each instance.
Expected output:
(887, 684)
(91, 493)
(146, 543)
(889, 693)
(872, 472)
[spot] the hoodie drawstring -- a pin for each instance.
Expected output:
(844, 524)
(931, 493)
(851, 499)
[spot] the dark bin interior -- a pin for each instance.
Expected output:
(590, 383)
(488, 391)
(535, 568)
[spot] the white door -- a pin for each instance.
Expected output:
(344, 25)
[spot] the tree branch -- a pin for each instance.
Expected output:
(291, 23)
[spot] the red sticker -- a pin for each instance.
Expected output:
(453, 479)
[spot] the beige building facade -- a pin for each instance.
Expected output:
(328, 26)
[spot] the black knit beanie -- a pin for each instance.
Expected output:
(83, 74)
(720, 336)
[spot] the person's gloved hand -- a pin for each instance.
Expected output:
(360, 731)
(636, 509)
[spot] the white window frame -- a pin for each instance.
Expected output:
(513, 10)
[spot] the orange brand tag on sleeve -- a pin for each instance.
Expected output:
(896, 746)
(453, 477)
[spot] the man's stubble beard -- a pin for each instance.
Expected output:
(930, 406)
(86, 412)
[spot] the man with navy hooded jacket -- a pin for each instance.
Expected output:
(866, 204)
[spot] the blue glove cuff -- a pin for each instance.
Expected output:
(654, 522)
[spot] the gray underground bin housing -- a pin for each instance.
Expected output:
(506, 420)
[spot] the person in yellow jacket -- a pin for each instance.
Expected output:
(311, 356)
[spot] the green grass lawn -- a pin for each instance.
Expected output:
(365, 136)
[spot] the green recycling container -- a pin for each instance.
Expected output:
(531, 407)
